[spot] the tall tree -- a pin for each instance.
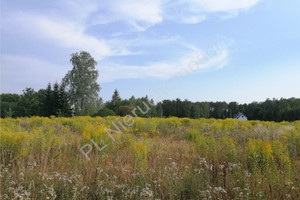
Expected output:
(56, 98)
(115, 101)
(81, 83)
(47, 102)
(65, 108)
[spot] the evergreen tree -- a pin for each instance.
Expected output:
(115, 101)
(28, 104)
(64, 105)
(159, 110)
(8, 104)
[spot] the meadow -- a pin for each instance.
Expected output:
(154, 158)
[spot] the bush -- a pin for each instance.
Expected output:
(105, 112)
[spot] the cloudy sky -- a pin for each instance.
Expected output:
(201, 50)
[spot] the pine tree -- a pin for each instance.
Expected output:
(64, 105)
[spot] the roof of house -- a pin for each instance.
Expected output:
(236, 116)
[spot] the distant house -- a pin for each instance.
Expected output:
(240, 116)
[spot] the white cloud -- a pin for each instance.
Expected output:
(18, 72)
(66, 34)
(65, 23)
(139, 10)
(193, 19)
(140, 14)
(224, 5)
(196, 11)
(163, 70)
(65, 26)
(72, 36)
(143, 14)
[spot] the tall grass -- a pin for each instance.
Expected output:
(153, 159)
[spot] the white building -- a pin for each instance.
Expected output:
(240, 116)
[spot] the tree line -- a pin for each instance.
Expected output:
(77, 94)
(55, 101)
(269, 110)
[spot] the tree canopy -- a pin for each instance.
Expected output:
(81, 83)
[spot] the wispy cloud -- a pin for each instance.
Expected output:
(143, 14)
(224, 5)
(193, 19)
(164, 70)
(196, 11)
(66, 34)
(65, 25)
(19, 72)
(140, 14)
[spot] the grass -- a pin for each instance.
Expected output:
(152, 159)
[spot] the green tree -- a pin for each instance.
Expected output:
(47, 102)
(29, 104)
(186, 108)
(159, 110)
(81, 83)
(54, 101)
(8, 104)
(64, 103)
(132, 100)
(193, 112)
(233, 108)
(152, 112)
(115, 101)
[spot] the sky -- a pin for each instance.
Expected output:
(200, 50)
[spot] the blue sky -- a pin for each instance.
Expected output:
(201, 50)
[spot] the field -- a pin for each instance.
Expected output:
(154, 158)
